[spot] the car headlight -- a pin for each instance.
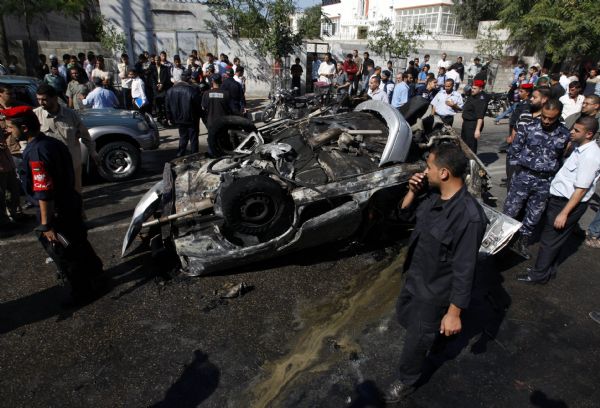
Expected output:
(142, 126)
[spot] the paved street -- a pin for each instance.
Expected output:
(316, 330)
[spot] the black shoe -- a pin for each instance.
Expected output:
(397, 392)
(525, 278)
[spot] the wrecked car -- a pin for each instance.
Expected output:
(297, 184)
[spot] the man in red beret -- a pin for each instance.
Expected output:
(473, 115)
(50, 182)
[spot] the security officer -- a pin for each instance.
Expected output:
(215, 102)
(473, 115)
(441, 260)
(570, 191)
(49, 181)
(539, 148)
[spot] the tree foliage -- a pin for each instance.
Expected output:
(111, 38)
(310, 23)
(563, 29)
(266, 22)
(388, 42)
(489, 45)
(470, 12)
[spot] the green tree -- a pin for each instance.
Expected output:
(111, 38)
(278, 39)
(489, 45)
(309, 25)
(470, 12)
(388, 42)
(563, 29)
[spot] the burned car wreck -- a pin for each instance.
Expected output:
(297, 184)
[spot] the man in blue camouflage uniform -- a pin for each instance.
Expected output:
(538, 148)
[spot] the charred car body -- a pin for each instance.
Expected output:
(312, 183)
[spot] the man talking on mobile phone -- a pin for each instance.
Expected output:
(50, 182)
(441, 259)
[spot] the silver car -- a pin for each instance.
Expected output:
(316, 181)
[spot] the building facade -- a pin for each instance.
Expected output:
(352, 19)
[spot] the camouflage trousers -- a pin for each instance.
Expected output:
(528, 192)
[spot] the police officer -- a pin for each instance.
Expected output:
(49, 181)
(440, 263)
(473, 115)
(539, 148)
(215, 102)
(570, 192)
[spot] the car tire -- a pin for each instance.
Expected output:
(118, 161)
(223, 139)
(258, 206)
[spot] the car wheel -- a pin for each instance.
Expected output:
(230, 131)
(118, 160)
(257, 205)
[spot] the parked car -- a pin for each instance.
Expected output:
(301, 184)
(120, 135)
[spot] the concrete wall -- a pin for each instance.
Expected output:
(52, 26)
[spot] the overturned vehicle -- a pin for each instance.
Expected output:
(297, 184)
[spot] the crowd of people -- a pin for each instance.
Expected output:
(552, 163)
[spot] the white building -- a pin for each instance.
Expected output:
(352, 19)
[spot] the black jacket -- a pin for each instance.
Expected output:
(183, 104)
(237, 101)
(443, 248)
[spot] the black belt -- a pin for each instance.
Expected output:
(557, 198)
(543, 174)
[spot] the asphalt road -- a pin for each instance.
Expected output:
(316, 330)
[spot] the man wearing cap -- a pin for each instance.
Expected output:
(100, 97)
(473, 115)
(64, 124)
(215, 102)
(538, 148)
(183, 106)
(49, 181)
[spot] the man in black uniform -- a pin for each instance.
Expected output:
(50, 182)
(441, 259)
(183, 110)
(215, 102)
(237, 100)
(473, 115)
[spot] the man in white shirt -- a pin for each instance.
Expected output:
(564, 80)
(138, 94)
(326, 70)
(177, 69)
(445, 63)
(210, 61)
(375, 92)
(570, 191)
(447, 103)
(572, 100)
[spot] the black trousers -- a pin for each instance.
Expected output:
(127, 101)
(296, 83)
(448, 120)
(552, 240)
(78, 261)
(187, 134)
(422, 323)
(467, 134)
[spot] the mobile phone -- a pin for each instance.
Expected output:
(63, 241)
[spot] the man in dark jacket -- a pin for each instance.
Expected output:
(183, 105)
(215, 102)
(440, 263)
(237, 100)
(161, 76)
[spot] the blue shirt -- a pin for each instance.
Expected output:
(516, 72)
(537, 149)
(422, 75)
(400, 95)
(101, 98)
